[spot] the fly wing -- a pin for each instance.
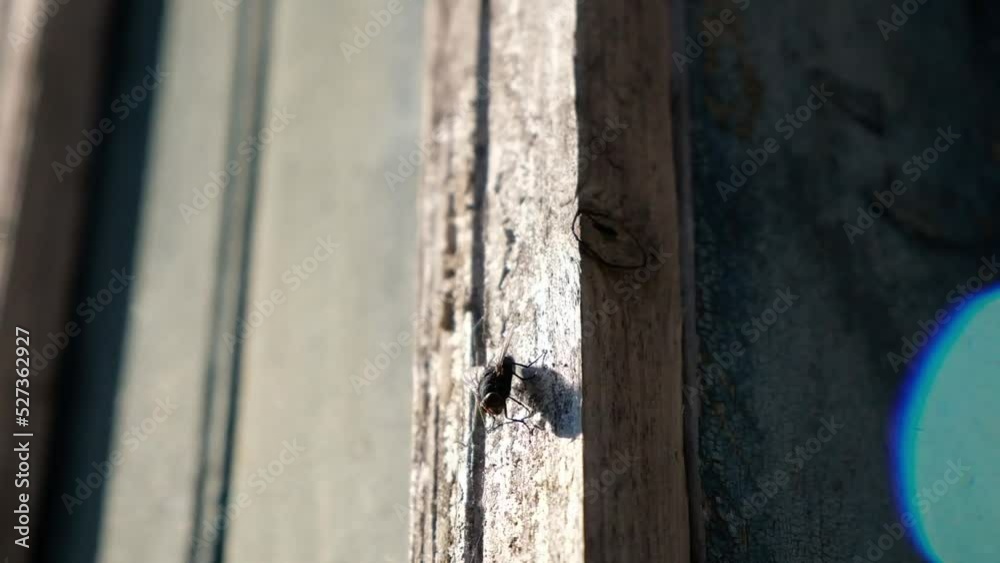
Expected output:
(471, 377)
(497, 361)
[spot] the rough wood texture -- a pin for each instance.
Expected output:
(497, 201)
(632, 376)
(826, 357)
(604, 479)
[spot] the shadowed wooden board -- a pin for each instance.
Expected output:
(826, 358)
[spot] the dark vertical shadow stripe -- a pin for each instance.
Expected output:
(477, 462)
(90, 372)
(220, 412)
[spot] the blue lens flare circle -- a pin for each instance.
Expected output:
(946, 435)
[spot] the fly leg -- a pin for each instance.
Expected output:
(525, 407)
(511, 419)
(521, 420)
(522, 366)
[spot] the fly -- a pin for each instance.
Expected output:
(493, 389)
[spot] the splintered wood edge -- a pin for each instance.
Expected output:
(438, 518)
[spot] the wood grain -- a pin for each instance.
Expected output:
(603, 480)
(632, 378)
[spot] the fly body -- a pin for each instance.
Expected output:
(494, 387)
(495, 384)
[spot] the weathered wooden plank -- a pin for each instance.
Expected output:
(632, 376)
(680, 85)
(533, 482)
(773, 491)
(498, 200)
(445, 518)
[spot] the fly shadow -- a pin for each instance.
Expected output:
(548, 393)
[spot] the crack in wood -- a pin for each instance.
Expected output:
(477, 463)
